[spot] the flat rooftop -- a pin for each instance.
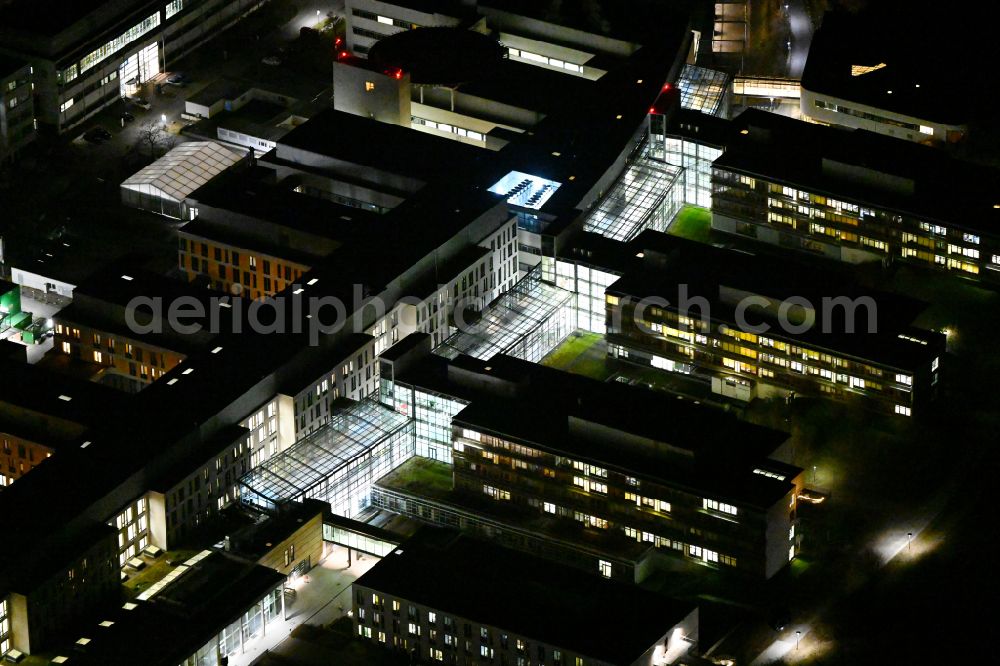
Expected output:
(579, 618)
(529, 87)
(576, 143)
(248, 240)
(639, 21)
(915, 70)
(366, 142)
(50, 17)
(181, 618)
(10, 64)
(672, 263)
(253, 192)
(61, 547)
(870, 169)
(57, 395)
(684, 444)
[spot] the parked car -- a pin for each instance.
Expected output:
(177, 79)
(128, 117)
(272, 60)
(779, 618)
(141, 103)
(96, 135)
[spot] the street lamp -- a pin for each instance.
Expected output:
(798, 637)
(909, 540)
(163, 118)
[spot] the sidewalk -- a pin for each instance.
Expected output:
(322, 596)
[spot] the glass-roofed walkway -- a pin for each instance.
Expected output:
(526, 322)
(643, 197)
(336, 464)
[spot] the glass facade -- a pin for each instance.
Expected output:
(138, 68)
(174, 7)
(588, 284)
(351, 539)
(236, 637)
(135, 32)
(696, 159)
(431, 413)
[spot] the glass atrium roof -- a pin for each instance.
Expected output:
(702, 89)
(351, 433)
(514, 315)
(626, 210)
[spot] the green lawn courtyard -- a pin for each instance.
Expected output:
(693, 223)
(582, 353)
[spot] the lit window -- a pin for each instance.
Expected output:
(369, 86)
(902, 410)
(714, 505)
(174, 7)
(605, 568)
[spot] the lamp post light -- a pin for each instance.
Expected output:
(798, 637)
(909, 540)
(163, 118)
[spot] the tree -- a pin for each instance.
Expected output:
(153, 136)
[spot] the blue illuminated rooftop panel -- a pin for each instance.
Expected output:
(525, 190)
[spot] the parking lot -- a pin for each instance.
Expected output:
(263, 48)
